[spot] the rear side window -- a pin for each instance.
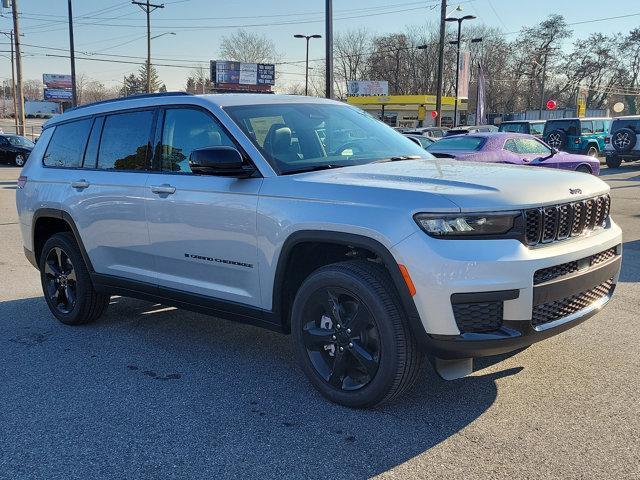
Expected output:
(586, 127)
(598, 126)
(513, 127)
(125, 141)
(569, 127)
(631, 123)
(67, 144)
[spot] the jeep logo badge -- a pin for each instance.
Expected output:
(575, 191)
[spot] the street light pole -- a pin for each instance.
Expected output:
(19, 113)
(9, 35)
(459, 20)
(443, 16)
(306, 70)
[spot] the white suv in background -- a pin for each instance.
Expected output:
(310, 217)
(623, 142)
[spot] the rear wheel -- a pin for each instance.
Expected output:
(19, 160)
(583, 169)
(66, 283)
(350, 335)
(593, 151)
(613, 161)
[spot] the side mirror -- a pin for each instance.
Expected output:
(221, 161)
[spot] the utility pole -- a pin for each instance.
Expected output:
(329, 48)
(542, 82)
(74, 92)
(9, 35)
(19, 113)
(148, 8)
(443, 15)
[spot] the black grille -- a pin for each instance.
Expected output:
(478, 317)
(548, 312)
(557, 222)
(603, 256)
(557, 271)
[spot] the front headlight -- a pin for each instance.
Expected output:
(466, 225)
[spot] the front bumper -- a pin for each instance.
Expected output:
(452, 269)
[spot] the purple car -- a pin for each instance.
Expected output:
(515, 148)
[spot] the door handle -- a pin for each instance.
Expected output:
(80, 184)
(165, 189)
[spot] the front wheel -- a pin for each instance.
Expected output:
(351, 337)
(19, 160)
(592, 151)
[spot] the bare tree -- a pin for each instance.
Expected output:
(351, 52)
(33, 89)
(245, 46)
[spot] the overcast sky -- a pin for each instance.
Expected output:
(118, 28)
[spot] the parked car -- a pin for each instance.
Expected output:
(623, 144)
(461, 130)
(431, 132)
(514, 148)
(369, 251)
(577, 135)
(15, 149)
(530, 127)
(421, 140)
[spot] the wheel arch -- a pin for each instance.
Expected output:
(48, 222)
(341, 241)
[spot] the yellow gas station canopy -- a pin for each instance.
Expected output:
(426, 100)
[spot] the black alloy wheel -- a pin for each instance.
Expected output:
(341, 338)
(61, 280)
(624, 140)
(557, 139)
(66, 282)
(351, 336)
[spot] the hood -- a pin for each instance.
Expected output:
(471, 186)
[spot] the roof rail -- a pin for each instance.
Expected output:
(130, 97)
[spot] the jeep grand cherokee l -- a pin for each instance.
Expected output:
(307, 216)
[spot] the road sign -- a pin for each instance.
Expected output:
(551, 104)
(434, 114)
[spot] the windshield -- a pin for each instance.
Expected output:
(20, 141)
(296, 137)
(460, 142)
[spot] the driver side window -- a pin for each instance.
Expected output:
(529, 146)
(511, 145)
(185, 130)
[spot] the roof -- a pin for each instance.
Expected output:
(523, 121)
(627, 117)
(578, 118)
(181, 98)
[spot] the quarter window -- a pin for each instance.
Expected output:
(125, 141)
(67, 144)
(186, 130)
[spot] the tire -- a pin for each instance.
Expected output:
(66, 283)
(613, 161)
(584, 169)
(19, 160)
(557, 139)
(624, 140)
(390, 359)
(593, 151)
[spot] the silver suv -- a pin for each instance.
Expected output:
(623, 143)
(310, 217)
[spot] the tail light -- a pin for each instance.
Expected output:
(22, 181)
(607, 139)
(577, 141)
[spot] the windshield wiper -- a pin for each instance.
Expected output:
(313, 168)
(399, 158)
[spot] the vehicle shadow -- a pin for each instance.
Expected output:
(630, 271)
(149, 390)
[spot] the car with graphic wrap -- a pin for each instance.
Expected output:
(309, 217)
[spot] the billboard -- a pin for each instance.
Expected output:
(367, 88)
(55, 80)
(58, 94)
(242, 76)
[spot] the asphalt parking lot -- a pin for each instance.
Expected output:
(151, 392)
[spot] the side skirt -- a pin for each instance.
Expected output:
(236, 312)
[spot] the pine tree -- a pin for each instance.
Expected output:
(132, 86)
(155, 80)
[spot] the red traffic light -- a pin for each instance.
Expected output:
(551, 104)
(434, 114)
